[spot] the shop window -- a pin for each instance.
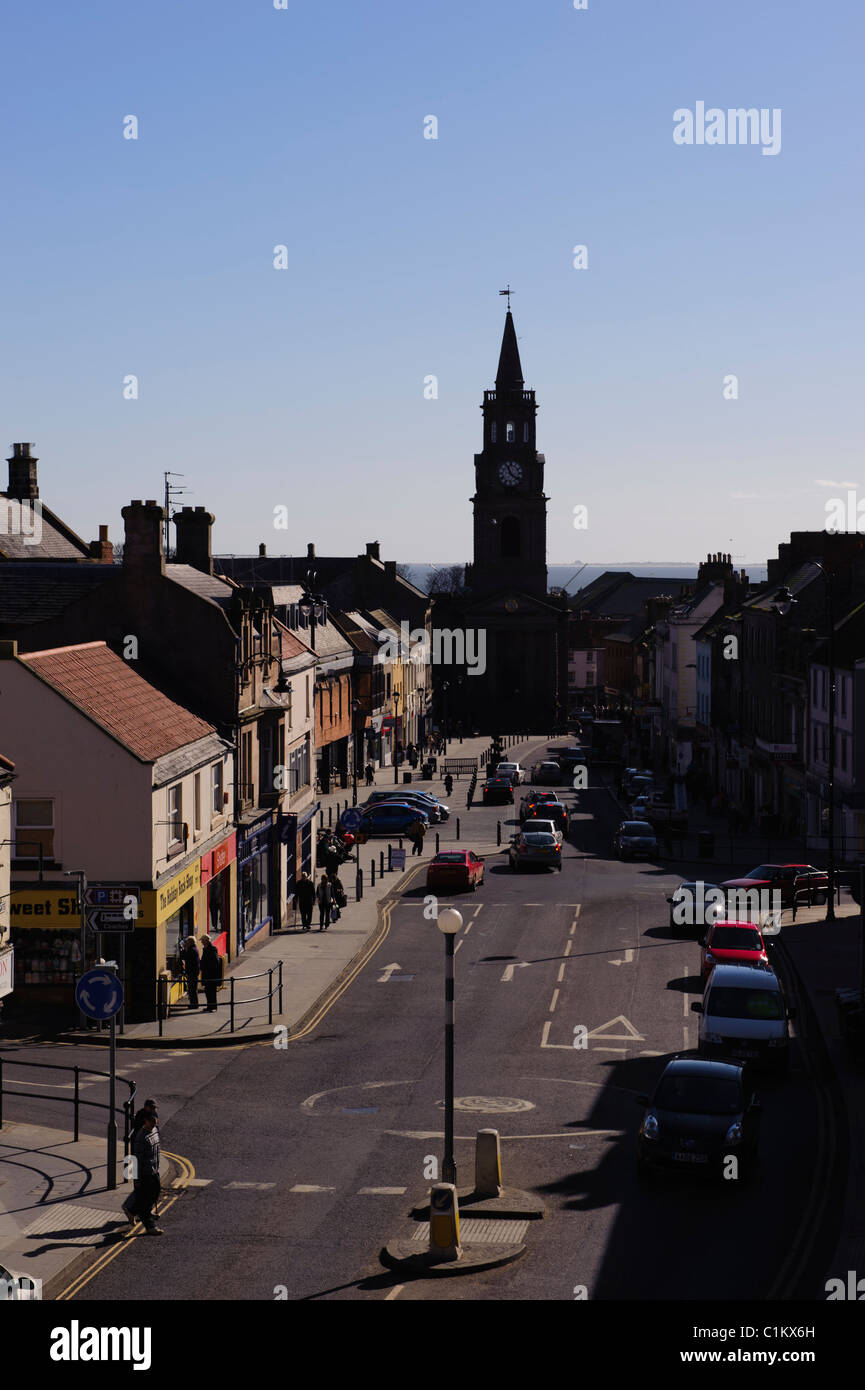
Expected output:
(216, 791)
(34, 826)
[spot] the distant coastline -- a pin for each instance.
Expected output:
(576, 576)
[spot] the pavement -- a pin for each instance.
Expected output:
(57, 1213)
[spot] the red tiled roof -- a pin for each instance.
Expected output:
(109, 691)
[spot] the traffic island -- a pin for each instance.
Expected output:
(453, 1247)
(488, 1198)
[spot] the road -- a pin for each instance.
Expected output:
(311, 1156)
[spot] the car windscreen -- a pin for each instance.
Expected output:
(540, 837)
(449, 859)
(726, 1002)
(699, 1095)
(637, 827)
(735, 939)
(765, 871)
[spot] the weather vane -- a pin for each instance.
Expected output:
(508, 293)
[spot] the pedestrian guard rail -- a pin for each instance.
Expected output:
(126, 1111)
(165, 983)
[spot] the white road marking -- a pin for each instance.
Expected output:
(467, 928)
(568, 946)
(685, 1031)
(459, 943)
(310, 1187)
(394, 1293)
(380, 1191)
(555, 1000)
(545, 1033)
(509, 969)
(629, 1031)
(685, 999)
(248, 1186)
(387, 972)
(561, 974)
(477, 910)
(192, 1182)
(629, 956)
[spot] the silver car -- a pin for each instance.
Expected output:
(535, 847)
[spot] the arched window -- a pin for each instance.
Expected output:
(510, 534)
(510, 433)
(493, 432)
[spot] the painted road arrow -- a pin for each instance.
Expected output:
(629, 956)
(387, 972)
(509, 970)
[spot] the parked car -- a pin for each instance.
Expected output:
(434, 809)
(542, 825)
(696, 903)
(701, 1113)
(546, 774)
(640, 784)
(731, 943)
(639, 809)
(635, 839)
(533, 847)
(457, 869)
(791, 880)
(512, 770)
(744, 1016)
(497, 790)
(390, 818)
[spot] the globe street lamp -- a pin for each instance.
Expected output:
(449, 922)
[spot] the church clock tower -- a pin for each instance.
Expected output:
(510, 509)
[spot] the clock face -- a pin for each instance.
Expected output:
(510, 473)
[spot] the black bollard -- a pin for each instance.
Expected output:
(389, 857)
(437, 842)
(458, 827)
(358, 885)
(372, 873)
(498, 832)
(329, 817)
(381, 863)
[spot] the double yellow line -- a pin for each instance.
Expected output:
(187, 1171)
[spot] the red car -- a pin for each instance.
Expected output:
(455, 868)
(732, 943)
(791, 880)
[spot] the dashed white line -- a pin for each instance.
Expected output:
(561, 974)
(554, 1001)
(568, 945)
(310, 1187)
(685, 996)
(380, 1191)
(394, 1293)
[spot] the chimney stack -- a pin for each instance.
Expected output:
(142, 546)
(192, 528)
(372, 550)
(22, 473)
(103, 549)
(262, 551)
(310, 551)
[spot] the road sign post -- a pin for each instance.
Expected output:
(99, 995)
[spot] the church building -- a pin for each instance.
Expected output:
(524, 683)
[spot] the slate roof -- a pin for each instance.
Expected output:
(206, 586)
(37, 591)
(620, 594)
(56, 542)
(109, 692)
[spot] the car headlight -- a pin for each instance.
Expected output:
(713, 1038)
(777, 1042)
(734, 1134)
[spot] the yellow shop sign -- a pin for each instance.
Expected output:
(171, 896)
(44, 907)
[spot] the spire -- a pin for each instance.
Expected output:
(510, 373)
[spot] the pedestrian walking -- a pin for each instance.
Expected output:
(337, 890)
(146, 1154)
(304, 898)
(192, 968)
(130, 1205)
(416, 831)
(331, 858)
(211, 972)
(324, 897)
(369, 773)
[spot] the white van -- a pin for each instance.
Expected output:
(744, 1017)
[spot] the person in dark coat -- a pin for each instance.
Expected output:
(146, 1153)
(191, 967)
(331, 859)
(324, 897)
(370, 774)
(130, 1205)
(304, 898)
(416, 832)
(211, 971)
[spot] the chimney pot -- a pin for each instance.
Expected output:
(262, 550)
(192, 527)
(310, 551)
(23, 480)
(372, 550)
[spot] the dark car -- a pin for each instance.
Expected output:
(635, 839)
(793, 881)
(547, 774)
(702, 1113)
(432, 808)
(497, 791)
(530, 802)
(390, 818)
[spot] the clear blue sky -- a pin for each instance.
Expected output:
(305, 386)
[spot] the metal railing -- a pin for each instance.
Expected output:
(76, 1101)
(164, 982)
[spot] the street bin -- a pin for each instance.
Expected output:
(428, 769)
(706, 844)
(406, 777)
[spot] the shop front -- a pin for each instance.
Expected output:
(254, 891)
(296, 834)
(46, 939)
(218, 894)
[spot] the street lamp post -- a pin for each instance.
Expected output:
(396, 699)
(782, 604)
(449, 922)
